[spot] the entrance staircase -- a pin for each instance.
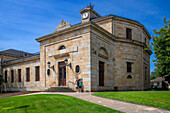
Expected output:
(59, 89)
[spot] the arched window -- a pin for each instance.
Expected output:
(103, 53)
(61, 47)
(129, 77)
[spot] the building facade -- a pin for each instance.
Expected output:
(107, 52)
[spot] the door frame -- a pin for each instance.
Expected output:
(101, 73)
(62, 65)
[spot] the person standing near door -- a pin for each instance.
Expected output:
(79, 85)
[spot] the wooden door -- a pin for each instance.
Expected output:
(101, 73)
(62, 73)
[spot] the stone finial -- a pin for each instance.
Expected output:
(63, 25)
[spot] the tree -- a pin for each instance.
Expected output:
(154, 74)
(161, 48)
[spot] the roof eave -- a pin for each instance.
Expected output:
(78, 26)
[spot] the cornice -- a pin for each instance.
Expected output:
(120, 39)
(92, 24)
(103, 18)
(64, 31)
(148, 51)
(133, 22)
(101, 30)
(114, 17)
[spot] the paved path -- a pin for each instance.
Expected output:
(113, 104)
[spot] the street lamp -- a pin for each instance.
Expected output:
(51, 67)
(66, 62)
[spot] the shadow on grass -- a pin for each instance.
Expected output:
(13, 108)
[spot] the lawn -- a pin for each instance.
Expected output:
(49, 103)
(160, 99)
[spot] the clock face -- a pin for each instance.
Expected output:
(85, 15)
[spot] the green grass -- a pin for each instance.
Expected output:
(160, 99)
(49, 103)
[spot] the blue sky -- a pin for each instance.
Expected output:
(22, 21)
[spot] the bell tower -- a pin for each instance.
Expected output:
(87, 14)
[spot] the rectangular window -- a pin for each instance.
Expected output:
(28, 74)
(129, 67)
(101, 73)
(37, 73)
(146, 73)
(6, 75)
(19, 75)
(12, 76)
(128, 33)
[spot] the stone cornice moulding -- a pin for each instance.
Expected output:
(60, 55)
(119, 39)
(114, 17)
(64, 31)
(64, 51)
(95, 26)
(134, 22)
(63, 40)
(114, 38)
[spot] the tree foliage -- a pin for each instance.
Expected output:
(154, 74)
(161, 48)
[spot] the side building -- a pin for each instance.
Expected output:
(107, 52)
(14, 67)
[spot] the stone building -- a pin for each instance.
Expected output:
(106, 51)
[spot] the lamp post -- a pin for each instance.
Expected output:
(51, 67)
(66, 62)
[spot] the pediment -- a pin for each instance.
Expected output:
(63, 25)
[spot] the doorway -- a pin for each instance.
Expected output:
(101, 73)
(62, 73)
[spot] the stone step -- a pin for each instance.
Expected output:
(60, 89)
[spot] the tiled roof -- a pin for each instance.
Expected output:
(35, 56)
(16, 53)
(158, 79)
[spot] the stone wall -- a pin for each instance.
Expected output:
(122, 50)
(102, 50)
(32, 85)
(107, 25)
(117, 26)
(146, 63)
(128, 52)
(77, 52)
(120, 30)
